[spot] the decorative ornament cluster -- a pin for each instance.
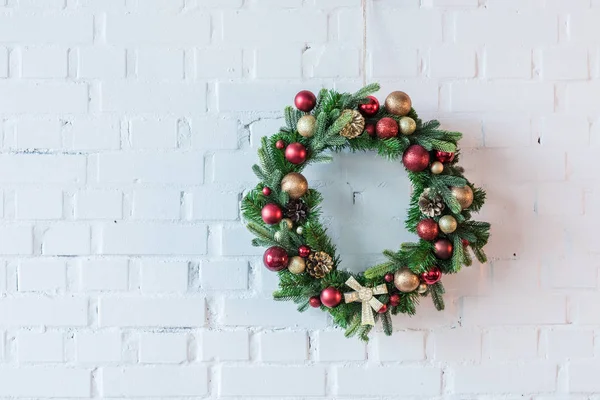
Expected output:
(283, 211)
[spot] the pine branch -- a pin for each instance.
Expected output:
(437, 291)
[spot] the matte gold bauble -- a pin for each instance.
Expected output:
(408, 126)
(295, 185)
(355, 127)
(464, 195)
(398, 103)
(405, 281)
(307, 125)
(288, 223)
(448, 224)
(422, 288)
(297, 265)
(437, 167)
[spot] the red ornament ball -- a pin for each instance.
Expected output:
(266, 191)
(383, 309)
(271, 214)
(465, 242)
(371, 130)
(443, 156)
(275, 258)
(280, 144)
(394, 299)
(315, 302)
(432, 276)
(415, 158)
(331, 297)
(370, 108)
(295, 153)
(389, 278)
(303, 251)
(386, 128)
(305, 100)
(428, 229)
(442, 248)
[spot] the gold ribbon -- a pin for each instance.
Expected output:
(367, 297)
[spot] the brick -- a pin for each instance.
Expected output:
(99, 204)
(553, 128)
(241, 27)
(157, 64)
(136, 97)
(570, 344)
(265, 96)
(171, 168)
(36, 204)
(49, 382)
(3, 62)
(98, 347)
(157, 348)
(284, 347)
(223, 173)
(104, 275)
(507, 378)
(266, 312)
(236, 241)
(583, 26)
(582, 377)
(423, 26)
(585, 310)
(164, 276)
(163, 381)
(225, 346)
(16, 239)
(34, 168)
(154, 133)
(101, 62)
(39, 275)
(453, 62)
(151, 312)
(499, 132)
(37, 98)
(66, 239)
(45, 62)
(224, 275)
(580, 96)
(565, 63)
(213, 203)
(272, 381)
(424, 381)
(36, 311)
(38, 134)
(219, 63)
(158, 29)
(46, 29)
(549, 309)
(412, 349)
(512, 344)
(94, 133)
(33, 347)
(288, 64)
(156, 204)
(502, 97)
(507, 62)
(393, 64)
(214, 133)
(331, 62)
(331, 347)
(153, 239)
(456, 345)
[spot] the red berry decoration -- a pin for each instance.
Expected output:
(271, 214)
(432, 276)
(305, 100)
(415, 158)
(394, 299)
(266, 191)
(383, 309)
(280, 144)
(371, 130)
(389, 278)
(303, 251)
(315, 302)
(465, 242)
(295, 153)
(386, 128)
(428, 229)
(275, 258)
(331, 297)
(443, 156)
(370, 108)
(442, 248)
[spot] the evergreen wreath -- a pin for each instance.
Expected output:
(283, 212)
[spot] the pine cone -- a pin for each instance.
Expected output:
(431, 205)
(355, 127)
(296, 210)
(319, 264)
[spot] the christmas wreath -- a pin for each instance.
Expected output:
(283, 212)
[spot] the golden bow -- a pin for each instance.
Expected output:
(367, 297)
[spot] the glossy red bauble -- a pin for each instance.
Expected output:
(383, 309)
(428, 229)
(331, 297)
(266, 191)
(443, 156)
(432, 276)
(442, 248)
(371, 130)
(271, 214)
(305, 100)
(303, 251)
(370, 108)
(389, 278)
(280, 144)
(386, 128)
(394, 299)
(275, 258)
(465, 242)
(295, 153)
(415, 158)
(315, 302)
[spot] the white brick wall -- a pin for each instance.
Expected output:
(127, 132)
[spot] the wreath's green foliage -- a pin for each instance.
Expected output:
(419, 257)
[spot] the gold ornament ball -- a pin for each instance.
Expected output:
(299, 230)
(422, 288)
(296, 265)
(288, 223)
(307, 125)
(405, 281)
(437, 168)
(448, 224)
(398, 103)
(408, 126)
(295, 185)
(464, 195)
